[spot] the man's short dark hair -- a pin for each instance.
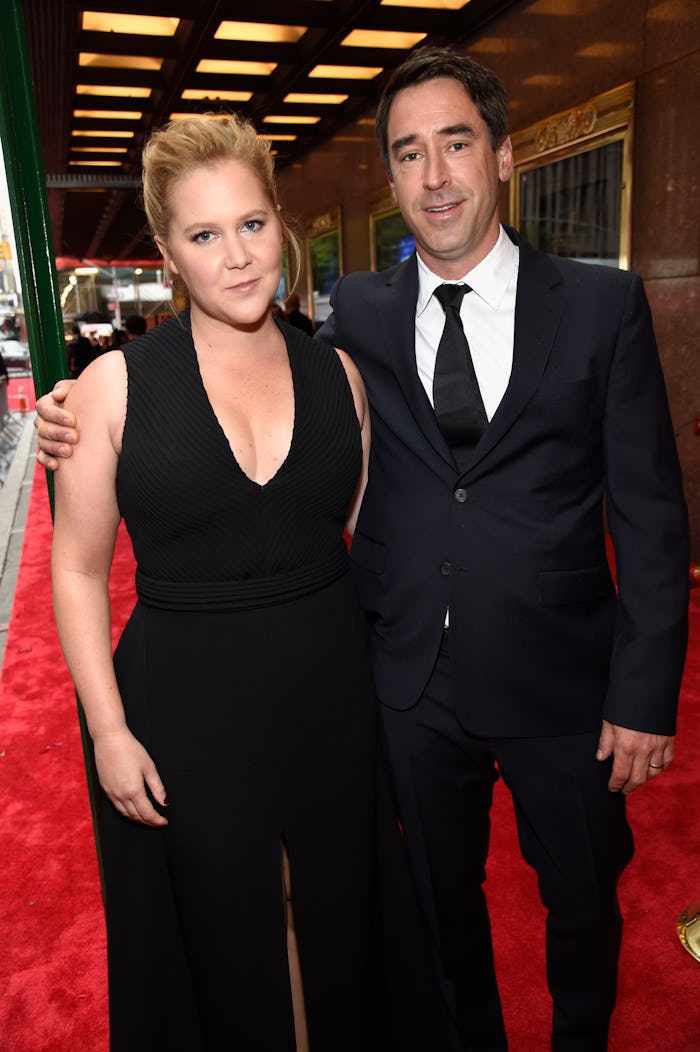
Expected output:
(481, 84)
(135, 325)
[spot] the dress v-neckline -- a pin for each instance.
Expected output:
(232, 456)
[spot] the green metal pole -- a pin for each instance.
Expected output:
(27, 186)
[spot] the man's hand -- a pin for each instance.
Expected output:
(637, 757)
(56, 427)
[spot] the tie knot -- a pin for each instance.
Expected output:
(451, 295)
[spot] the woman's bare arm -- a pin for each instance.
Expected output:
(85, 528)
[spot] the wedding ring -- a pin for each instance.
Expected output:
(658, 766)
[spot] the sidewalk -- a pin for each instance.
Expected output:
(14, 501)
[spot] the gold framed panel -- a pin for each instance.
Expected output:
(570, 191)
(390, 240)
(324, 261)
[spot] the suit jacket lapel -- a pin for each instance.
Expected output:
(397, 314)
(538, 308)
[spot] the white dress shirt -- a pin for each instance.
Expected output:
(488, 318)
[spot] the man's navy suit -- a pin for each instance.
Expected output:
(541, 646)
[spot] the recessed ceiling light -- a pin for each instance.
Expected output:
(433, 5)
(133, 25)
(90, 59)
(302, 98)
(246, 69)
(215, 95)
(260, 32)
(291, 119)
(117, 115)
(379, 38)
(346, 72)
(112, 91)
(102, 134)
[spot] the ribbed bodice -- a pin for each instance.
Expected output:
(192, 513)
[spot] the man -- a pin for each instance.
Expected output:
(135, 325)
(544, 676)
(80, 353)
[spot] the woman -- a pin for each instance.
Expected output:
(234, 733)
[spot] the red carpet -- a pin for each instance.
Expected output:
(52, 970)
(20, 394)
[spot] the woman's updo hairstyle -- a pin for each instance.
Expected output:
(199, 142)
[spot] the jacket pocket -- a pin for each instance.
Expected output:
(558, 587)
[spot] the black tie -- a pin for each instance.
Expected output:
(458, 404)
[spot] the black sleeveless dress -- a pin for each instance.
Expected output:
(244, 672)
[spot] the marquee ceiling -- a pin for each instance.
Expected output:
(107, 73)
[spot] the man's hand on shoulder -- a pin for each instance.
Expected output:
(637, 757)
(56, 427)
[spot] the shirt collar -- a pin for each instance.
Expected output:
(489, 279)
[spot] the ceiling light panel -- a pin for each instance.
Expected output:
(428, 5)
(380, 39)
(112, 91)
(346, 72)
(103, 134)
(232, 68)
(215, 95)
(188, 116)
(291, 119)
(259, 32)
(106, 115)
(89, 59)
(132, 25)
(302, 98)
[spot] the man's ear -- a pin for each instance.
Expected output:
(505, 159)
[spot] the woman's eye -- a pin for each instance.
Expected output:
(203, 236)
(252, 224)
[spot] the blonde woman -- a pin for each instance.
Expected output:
(234, 732)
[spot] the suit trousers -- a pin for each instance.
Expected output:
(572, 830)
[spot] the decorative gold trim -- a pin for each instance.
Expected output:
(575, 124)
(688, 929)
(324, 223)
(603, 119)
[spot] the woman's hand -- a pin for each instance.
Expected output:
(55, 426)
(125, 769)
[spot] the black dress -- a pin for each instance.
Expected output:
(244, 672)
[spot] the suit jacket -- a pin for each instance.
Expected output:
(540, 642)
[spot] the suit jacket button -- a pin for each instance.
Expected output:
(460, 495)
(445, 569)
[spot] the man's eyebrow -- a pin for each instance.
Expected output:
(457, 129)
(451, 129)
(405, 140)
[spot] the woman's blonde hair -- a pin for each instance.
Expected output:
(198, 142)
